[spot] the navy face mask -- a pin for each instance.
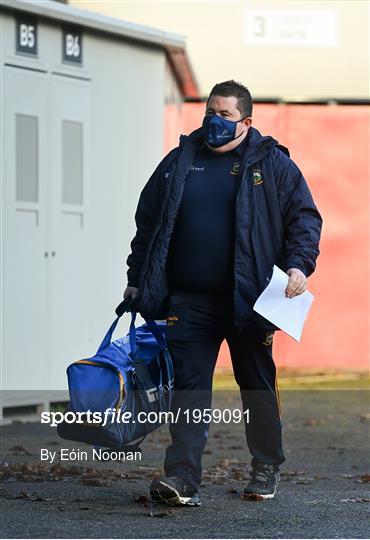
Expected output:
(218, 131)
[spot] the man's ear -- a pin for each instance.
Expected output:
(247, 121)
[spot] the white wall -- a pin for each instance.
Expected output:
(127, 130)
(216, 42)
(124, 111)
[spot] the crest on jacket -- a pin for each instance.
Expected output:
(236, 168)
(257, 177)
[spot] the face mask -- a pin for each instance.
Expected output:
(218, 131)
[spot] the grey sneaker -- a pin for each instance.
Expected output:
(174, 491)
(264, 480)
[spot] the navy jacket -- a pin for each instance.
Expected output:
(277, 222)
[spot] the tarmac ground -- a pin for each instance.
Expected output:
(324, 490)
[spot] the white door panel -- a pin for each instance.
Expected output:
(26, 336)
(46, 281)
(70, 293)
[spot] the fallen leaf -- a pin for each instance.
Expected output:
(141, 499)
(292, 473)
(358, 500)
(302, 481)
(94, 482)
(159, 514)
(22, 495)
(313, 422)
(31, 497)
(19, 451)
(252, 497)
(365, 478)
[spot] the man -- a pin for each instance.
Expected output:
(218, 212)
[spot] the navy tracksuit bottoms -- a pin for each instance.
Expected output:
(196, 325)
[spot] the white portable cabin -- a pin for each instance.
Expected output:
(82, 123)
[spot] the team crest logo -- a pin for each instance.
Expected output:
(236, 168)
(268, 339)
(170, 321)
(257, 177)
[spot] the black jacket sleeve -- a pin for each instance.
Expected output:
(146, 216)
(301, 218)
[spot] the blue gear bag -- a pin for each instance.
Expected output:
(127, 380)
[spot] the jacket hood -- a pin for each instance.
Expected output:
(257, 148)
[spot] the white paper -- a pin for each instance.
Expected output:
(288, 314)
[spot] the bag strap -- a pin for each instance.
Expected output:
(124, 306)
(152, 325)
(120, 310)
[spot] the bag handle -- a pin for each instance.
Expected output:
(120, 310)
(124, 306)
(152, 325)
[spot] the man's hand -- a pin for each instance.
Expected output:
(130, 291)
(297, 283)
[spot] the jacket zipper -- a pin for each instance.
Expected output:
(236, 319)
(244, 168)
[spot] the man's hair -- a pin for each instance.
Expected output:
(238, 90)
